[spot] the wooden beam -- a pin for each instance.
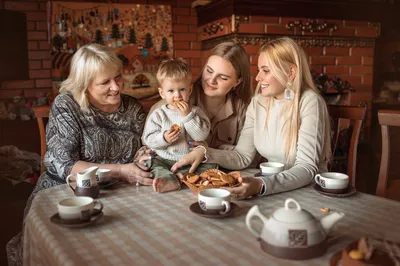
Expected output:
(334, 9)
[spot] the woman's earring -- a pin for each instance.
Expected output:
(289, 93)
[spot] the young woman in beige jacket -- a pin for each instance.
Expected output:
(223, 91)
(287, 121)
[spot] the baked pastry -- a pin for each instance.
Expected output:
(193, 179)
(212, 178)
(175, 104)
(325, 210)
(176, 127)
(366, 252)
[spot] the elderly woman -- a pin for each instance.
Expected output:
(91, 124)
(287, 121)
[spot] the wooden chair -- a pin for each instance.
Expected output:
(40, 113)
(387, 118)
(147, 104)
(347, 115)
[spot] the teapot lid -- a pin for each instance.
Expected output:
(292, 215)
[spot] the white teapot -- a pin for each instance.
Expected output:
(293, 233)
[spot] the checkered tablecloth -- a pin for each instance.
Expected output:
(142, 227)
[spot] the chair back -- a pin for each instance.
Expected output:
(40, 113)
(386, 118)
(352, 116)
(147, 104)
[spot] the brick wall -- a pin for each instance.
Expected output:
(184, 30)
(348, 62)
(38, 52)
(353, 64)
(186, 40)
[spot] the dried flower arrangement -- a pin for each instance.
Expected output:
(327, 84)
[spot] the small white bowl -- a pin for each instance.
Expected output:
(270, 168)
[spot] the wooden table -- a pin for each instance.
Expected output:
(142, 227)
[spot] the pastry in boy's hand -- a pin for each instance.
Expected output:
(175, 104)
(176, 127)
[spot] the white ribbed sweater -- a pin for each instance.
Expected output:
(310, 157)
(195, 126)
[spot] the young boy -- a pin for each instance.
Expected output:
(169, 128)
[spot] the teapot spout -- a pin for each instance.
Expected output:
(328, 221)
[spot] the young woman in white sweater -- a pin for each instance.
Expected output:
(287, 121)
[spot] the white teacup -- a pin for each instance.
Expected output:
(103, 176)
(214, 201)
(332, 182)
(270, 168)
(78, 209)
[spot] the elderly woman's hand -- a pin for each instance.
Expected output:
(133, 174)
(250, 186)
(142, 155)
(194, 158)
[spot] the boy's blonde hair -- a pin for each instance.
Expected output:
(176, 69)
(281, 54)
(88, 62)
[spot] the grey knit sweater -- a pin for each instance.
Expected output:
(195, 126)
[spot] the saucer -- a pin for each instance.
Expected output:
(258, 174)
(106, 185)
(350, 191)
(56, 219)
(336, 258)
(195, 207)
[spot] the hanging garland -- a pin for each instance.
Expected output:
(114, 25)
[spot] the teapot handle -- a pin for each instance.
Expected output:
(254, 211)
(69, 183)
(289, 200)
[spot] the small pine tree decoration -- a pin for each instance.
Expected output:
(149, 42)
(132, 36)
(99, 37)
(58, 42)
(115, 31)
(164, 45)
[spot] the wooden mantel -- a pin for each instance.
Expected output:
(382, 11)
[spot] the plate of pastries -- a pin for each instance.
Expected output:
(368, 252)
(212, 178)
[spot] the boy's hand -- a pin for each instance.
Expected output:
(171, 136)
(183, 108)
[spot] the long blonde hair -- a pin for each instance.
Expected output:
(281, 55)
(89, 61)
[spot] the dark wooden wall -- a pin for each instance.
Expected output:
(13, 46)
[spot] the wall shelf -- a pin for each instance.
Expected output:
(390, 76)
(333, 9)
